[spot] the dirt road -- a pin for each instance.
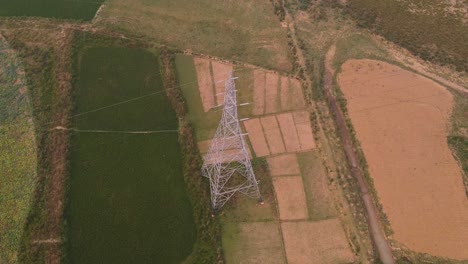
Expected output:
(383, 248)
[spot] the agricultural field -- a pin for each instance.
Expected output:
(243, 30)
(64, 9)
(108, 107)
(127, 198)
(401, 122)
(17, 153)
(282, 146)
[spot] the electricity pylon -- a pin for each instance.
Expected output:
(227, 163)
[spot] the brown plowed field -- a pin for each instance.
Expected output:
(285, 93)
(401, 121)
(273, 134)
(283, 165)
(291, 197)
(321, 242)
(288, 129)
(220, 72)
(205, 83)
(304, 130)
(257, 137)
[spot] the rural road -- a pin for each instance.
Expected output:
(377, 233)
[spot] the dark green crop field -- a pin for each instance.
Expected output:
(127, 199)
(68, 9)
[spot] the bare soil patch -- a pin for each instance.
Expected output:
(260, 243)
(271, 93)
(304, 130)
(288, 129)
(284, 93)
(291, 197)
(273, 134)
(296, 94)
(220, 72)
(256, 137)
(259, 93)
(205, 83)
(285, 164)
(401, 121)
(316, 242)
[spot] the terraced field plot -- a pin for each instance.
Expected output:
(76, 9)
(127, 194)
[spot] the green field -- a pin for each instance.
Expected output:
(127, 200)
(68, 9)
(17, 155)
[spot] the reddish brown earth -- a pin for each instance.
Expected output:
(273, 134)
(220, 72)
(401, 121)
(288, 129)
(205, 83)
(257, 137)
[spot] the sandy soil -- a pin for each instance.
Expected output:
(304, 130)
(259, 93)
(261, 243)
(220, 72)
(321, 242)
(273, 134)
(291, 197)
(271, 93)
(401, 121)
(205, 83)
(257, 137)
(288, 129)
(283, 165)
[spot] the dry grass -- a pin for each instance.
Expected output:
(291, 198)
(283, 165)
(321, 242)
(261, 243)
(243, 30)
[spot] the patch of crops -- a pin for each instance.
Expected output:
(127, 198)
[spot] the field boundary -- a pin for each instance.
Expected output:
(207, 247)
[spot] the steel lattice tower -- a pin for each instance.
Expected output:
(227, 163)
